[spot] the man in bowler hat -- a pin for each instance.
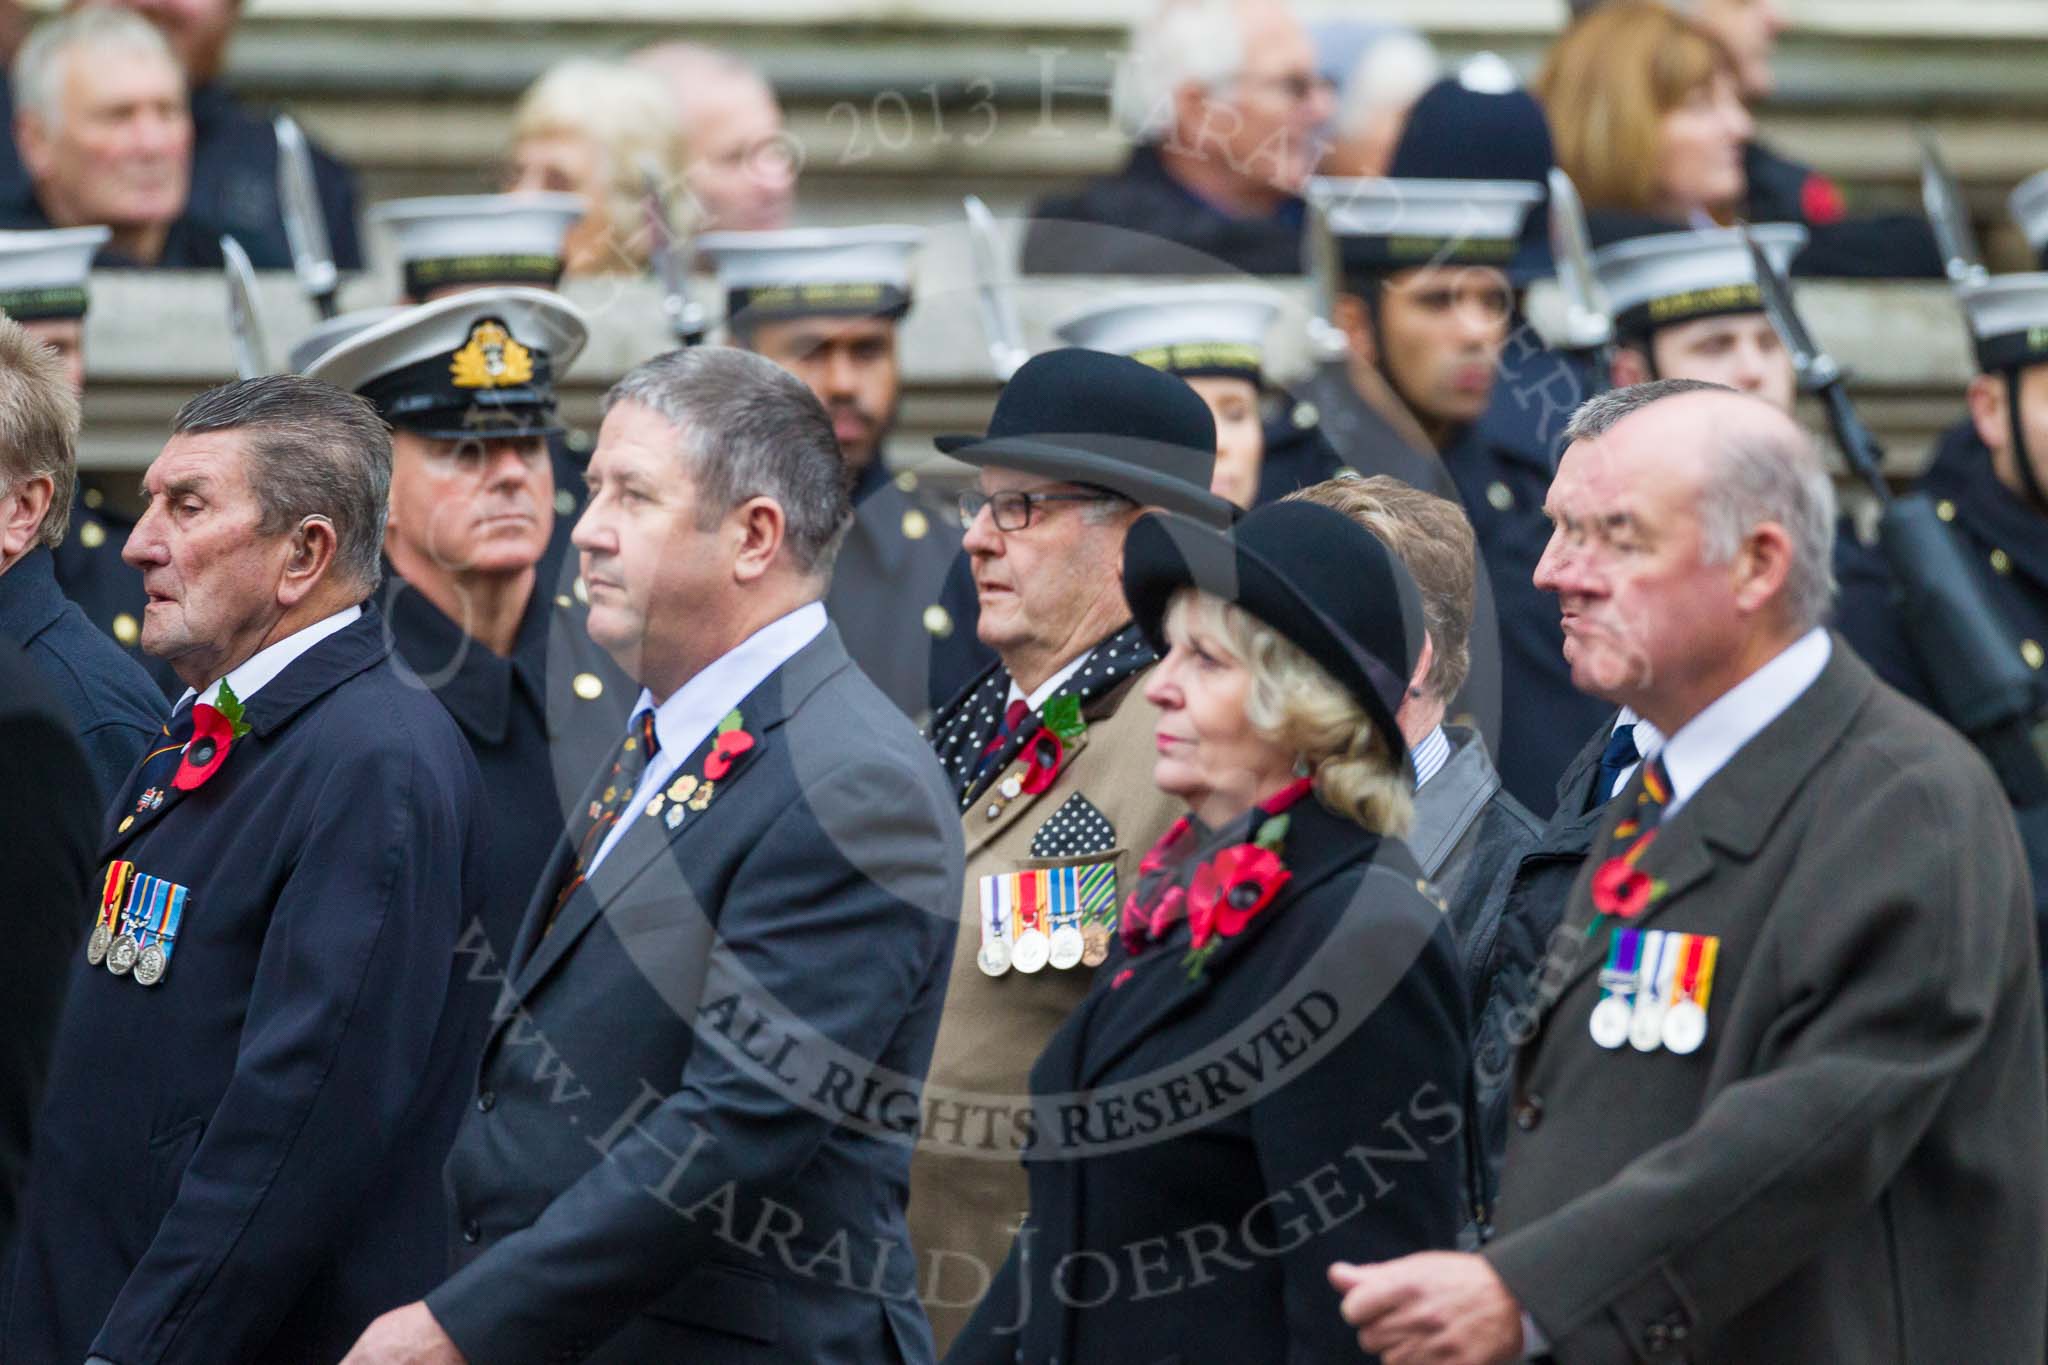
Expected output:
(1049, 753)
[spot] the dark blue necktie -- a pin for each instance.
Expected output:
(1617, 758)
(160, 764)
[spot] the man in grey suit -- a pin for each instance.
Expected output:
(691, 1133)
(1785, 1094)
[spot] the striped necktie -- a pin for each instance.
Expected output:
(635, 752)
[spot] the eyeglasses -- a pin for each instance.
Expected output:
(1012, 510)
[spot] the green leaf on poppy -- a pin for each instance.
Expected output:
(1273, 833)
(230, 707)
(1062, 716)
(731, 722)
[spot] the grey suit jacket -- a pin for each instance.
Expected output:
(691, 1134)
(1851, 1168)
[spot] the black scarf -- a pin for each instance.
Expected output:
(962, 731)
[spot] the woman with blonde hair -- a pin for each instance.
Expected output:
(1646, 110)
(1269, 1073)
(598, 129)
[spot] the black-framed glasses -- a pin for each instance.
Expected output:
(1012, 509)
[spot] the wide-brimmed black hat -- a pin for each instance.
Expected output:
(1089, 417)
(1311, 573)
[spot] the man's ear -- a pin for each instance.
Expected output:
(21, 516)
(1349, 313)
(1630, 366)
(759, 526)
(308, 557)
(1762, 566)
(1987, 398)
(33, 142)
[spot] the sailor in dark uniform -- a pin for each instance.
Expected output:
(446, 244)
(1429, 297)
(481, 611)
(824, 304)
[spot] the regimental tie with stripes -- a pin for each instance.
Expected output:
(636, 751)
(1057, 916)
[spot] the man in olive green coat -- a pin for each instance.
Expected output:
(1050, 752)
(1784, 1094)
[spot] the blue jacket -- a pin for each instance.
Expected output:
(242, 1162)
(114, 706)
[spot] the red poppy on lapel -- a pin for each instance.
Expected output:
(726, 752)
(212, 735)
(1044, 754)
(1622, 889)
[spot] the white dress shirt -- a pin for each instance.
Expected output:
(693, 710)
(1704, 744)
(1042, 694)
(247, 678)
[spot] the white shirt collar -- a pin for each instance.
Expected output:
(1042, 694)
(248, 678)
(1430, 756)
(693, 710)
(1705, 744)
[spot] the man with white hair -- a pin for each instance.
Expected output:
(106, 138)
(234, 148)
(1225, 103)
(1785, 1078)
(740, 168)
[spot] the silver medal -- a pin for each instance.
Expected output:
(994, 957)
(122, 954)
(97, 945)
(1032, 951)
(150, 964)
(1610, 1021)
(1646, 1029)
(1067, 947)
(1685, 1027)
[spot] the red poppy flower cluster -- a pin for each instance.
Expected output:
(212, 736)
(1622, 889)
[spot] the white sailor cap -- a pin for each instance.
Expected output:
(479, 239)
(801, 272)
(478, 363)
(1183, 329)
(331, 332)
(2008, 317)
(1672, 277)
(43, 274)
(1382, 225)
(2029, 206)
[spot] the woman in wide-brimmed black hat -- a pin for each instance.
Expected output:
(1270, 1073)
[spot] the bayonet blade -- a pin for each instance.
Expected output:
(685, 316)
(1587, 325)
(1815, 367)
(1326, 280)
(1946, 212)
(305, 224)
(999, 321)
(245, 315)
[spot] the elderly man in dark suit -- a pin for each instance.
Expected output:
(691, 1134)
(260, 1027)
(115, 709)
(1786, 1082)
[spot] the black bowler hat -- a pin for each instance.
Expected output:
(1083, 416)
(1311, 573)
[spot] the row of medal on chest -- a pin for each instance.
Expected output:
(1058, 916)
(1654, 989)
(136, 929)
